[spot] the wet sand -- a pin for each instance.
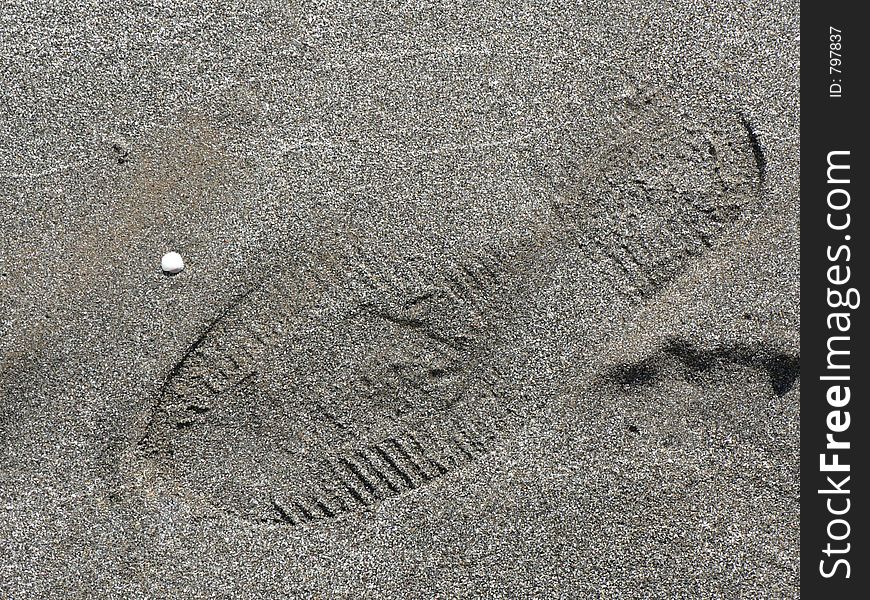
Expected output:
(479, 301)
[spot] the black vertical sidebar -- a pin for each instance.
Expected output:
(834, 263)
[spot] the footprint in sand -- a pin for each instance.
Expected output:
(342, 381)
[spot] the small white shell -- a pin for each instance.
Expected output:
(172, 263)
